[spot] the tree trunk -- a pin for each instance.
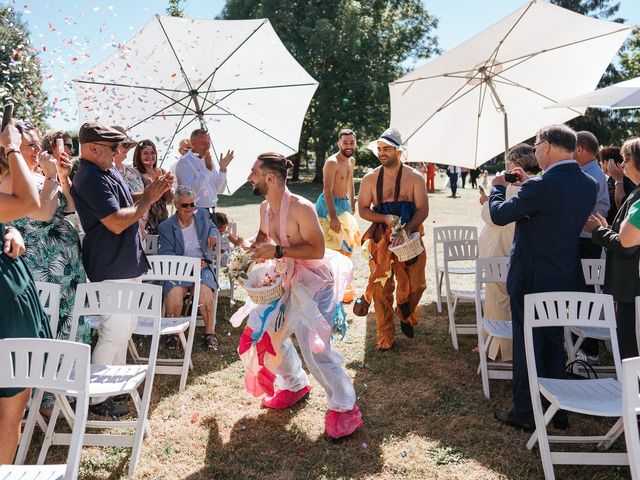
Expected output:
(320, 157)
(295, 175)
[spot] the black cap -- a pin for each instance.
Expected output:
(92, 132)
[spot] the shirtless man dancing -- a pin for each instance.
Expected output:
(313, 285)
(393, 189)
(336, 204)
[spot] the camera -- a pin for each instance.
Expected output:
(510, 177)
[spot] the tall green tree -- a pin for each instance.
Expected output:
(176, 8)
(353, 48)
(20, 69)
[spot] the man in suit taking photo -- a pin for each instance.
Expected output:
(550, 212)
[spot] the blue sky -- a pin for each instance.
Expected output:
(74, 35)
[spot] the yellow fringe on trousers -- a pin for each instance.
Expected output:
(386, 273)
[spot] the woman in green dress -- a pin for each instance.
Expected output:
(21, 314)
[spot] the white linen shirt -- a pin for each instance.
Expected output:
(192, 172)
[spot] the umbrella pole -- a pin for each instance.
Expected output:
(196, 102)
(494, 92)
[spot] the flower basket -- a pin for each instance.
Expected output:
(409, 248)
(255, 278)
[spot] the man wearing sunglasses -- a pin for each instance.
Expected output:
(191, 233)
(111, 249)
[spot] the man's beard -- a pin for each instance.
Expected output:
(345, 153)
(391, 162)
(260, 189)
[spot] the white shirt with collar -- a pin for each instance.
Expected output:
(207, 184)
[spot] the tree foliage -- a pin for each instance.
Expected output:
(20, 69)
(176, 8)
(353, 48)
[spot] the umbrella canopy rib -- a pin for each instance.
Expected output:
(213, 74)
(124, 85)
(494, 55)
(166, 152)
(179, 101)
(481, 97)
(184, 74)
(263, 87)
(160, 111)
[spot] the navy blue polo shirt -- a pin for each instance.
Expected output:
(106, 255)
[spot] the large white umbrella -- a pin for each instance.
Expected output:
(234, 77)
(453, 110)
(617, 96)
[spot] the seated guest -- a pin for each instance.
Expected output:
(621, 275)
(145, 159)
(620, 186)
(191, 233)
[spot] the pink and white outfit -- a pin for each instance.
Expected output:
(313, 291)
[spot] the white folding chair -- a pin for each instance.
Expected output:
(49, 294)
(176, 269)
(110, 298)
(630, 411)
(593, 271)
(491, 270)
(56, 366)
(449, 234)
(150, 244)
(598, 397)
(459, 251)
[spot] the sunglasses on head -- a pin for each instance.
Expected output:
(24, 126)
(185, 205)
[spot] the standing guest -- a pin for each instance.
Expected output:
(621, 277)
(49, 142)
(183, 147)
(112, 249)
(431, 177)
(145, 159)
(130, 173)
(549, 212)
(453, 172)
(289, 230)
(474, 173)
(196, 170)
(485, 179)
(620, 186)
(336, 204)
(21, 314)
(393, 190)
(190, 233)
(495, 241)
(53, 245)
(463, 175)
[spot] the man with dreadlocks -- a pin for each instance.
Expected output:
(313, 287)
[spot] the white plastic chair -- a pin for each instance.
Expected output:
(459, 251)
(450, 234)
(110, 298)
(491, 270)
(598, 397)
(178, 269)
(56, 366)
(150, 244)
(49, 294)
(630, 409)
(593, 271)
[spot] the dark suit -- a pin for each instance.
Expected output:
(621, 276)
(550, 212)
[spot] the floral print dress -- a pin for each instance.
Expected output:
(53, 255)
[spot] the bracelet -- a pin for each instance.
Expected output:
(13, 150)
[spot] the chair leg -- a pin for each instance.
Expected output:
(29, 427)
(543, 440)
(439, 277)
(48, 436)
(484, 371)
(452, 324)
(612, 435)
(142, 406)
(133, 350)
(548, 415)
(187, 346)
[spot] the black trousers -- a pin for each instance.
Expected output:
(588, 249)
(626, 331)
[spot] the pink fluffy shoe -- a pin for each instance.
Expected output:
(342, 424)
(285, 398)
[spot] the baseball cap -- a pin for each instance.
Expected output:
(91, 132)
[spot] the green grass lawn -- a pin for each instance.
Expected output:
(424, 413)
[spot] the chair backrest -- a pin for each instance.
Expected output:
(630, 410)
(56, 366)
(50, 298)
(460, 250)
(150, 244)
(177, 269)
(451, 234)
(568, 309)
(593, 271)
(489, 270)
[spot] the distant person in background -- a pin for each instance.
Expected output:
(431, 178)
(453, 172)
(183, 147)
(619, 185)
(485, 179)
(473, 177)
(463, 175)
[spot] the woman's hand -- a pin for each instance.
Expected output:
(64, 165)
(211, 241)
(615, 170)
(13, 243)
(48, 164)
(10, 137)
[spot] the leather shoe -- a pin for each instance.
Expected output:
(560, 420)
(506, 417)
(109, 408)
(407, 329)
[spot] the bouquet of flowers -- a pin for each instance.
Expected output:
(238, 265)
(397, 229)
(409, 246)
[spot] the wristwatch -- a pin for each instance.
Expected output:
(278, 251)
(619, 182)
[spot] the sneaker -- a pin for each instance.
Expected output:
(210, 341)
(109, 408)
(588, 359)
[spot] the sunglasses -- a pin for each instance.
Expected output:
(188, 205)
(112, 146)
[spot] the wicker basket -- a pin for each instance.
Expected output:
(263, 295)
(410, 248)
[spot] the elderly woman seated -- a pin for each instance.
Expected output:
(190, 232)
